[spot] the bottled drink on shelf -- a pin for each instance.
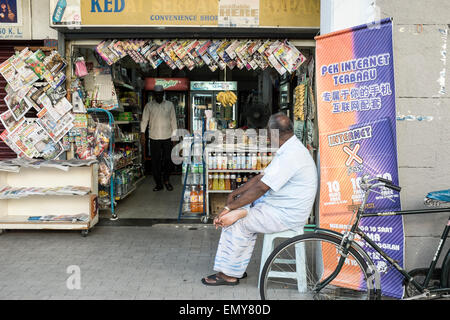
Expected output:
(194, 199)
(194, 173)
(248, 161)
(210, 161)
(187, 201)
(219, 161)
(222, 182)
(229, 161)
(224, 161)
(238, 180)
(263, 160)
(258, 161)
(214, 161)
(215, 182)
(234, 161)
(244, 179)
(233, 185)
(243, 162)
(210, 182)
(200, 200)
(227, 182)
(238, 161)
(254, 161)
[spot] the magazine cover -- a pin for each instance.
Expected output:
(10, 74)
(7, 140)
(55, 63)
(9, 122)
(19, 110)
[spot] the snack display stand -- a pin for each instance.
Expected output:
(62, 210)
(106, 116)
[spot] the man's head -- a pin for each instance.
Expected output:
(158, 93)
(283, 125)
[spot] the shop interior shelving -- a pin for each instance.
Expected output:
(238, 148)
(128, 126)
(15, 213)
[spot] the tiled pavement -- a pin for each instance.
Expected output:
(159, 262)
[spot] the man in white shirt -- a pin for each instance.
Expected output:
(159, 116)
(279, 199)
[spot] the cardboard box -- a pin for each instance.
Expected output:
(216, 203)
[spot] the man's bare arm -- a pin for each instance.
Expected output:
(243, 188)
(257, 190)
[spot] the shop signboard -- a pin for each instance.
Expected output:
(357, 132)
(169, 84)
(214, 86)
(214, 13)
(242, 13)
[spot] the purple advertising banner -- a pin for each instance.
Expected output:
(357, 132)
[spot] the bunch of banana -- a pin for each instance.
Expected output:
(226, 98)
(300, 99)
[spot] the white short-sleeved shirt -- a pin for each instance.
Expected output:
(160, 118)
(292, 178)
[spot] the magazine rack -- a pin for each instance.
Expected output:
(15, 213)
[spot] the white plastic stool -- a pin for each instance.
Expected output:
(268, 247)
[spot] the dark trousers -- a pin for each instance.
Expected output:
(161, 160)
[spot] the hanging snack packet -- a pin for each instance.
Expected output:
(102, 136)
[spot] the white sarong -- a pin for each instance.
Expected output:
(238, 240)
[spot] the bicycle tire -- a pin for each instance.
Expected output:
(338, 287)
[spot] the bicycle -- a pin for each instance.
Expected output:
(324, 264)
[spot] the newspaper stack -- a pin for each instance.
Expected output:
(219, 54)
(8, 192)
(35, 82)
(15, 164)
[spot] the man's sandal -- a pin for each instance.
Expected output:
(219, 281)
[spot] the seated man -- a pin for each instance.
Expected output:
(285, 194)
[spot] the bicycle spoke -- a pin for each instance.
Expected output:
(297, 268)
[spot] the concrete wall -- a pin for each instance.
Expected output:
(421, 42)
(40, 10)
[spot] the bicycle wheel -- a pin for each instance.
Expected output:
(296, 266)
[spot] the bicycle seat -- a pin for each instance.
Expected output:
(442, 195)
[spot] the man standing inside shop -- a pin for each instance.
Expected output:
(159, 116)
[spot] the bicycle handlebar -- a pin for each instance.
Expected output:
(389, 184)
(386, 183)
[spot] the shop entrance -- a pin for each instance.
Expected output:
(259, 92)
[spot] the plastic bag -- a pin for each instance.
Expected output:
(105, 171)
(80, 68)
(102, 138)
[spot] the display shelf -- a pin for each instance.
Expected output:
(124, 165)
(46, 195)
(126, 122)
(124, 85)
(220, 191)
(235, 170)
(133, 188)
(126, 141)
(138, 181)
(14, 213)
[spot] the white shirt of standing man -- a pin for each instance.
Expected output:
(160, 117)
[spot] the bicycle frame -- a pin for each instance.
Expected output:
(348, 240)
(443, 239)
